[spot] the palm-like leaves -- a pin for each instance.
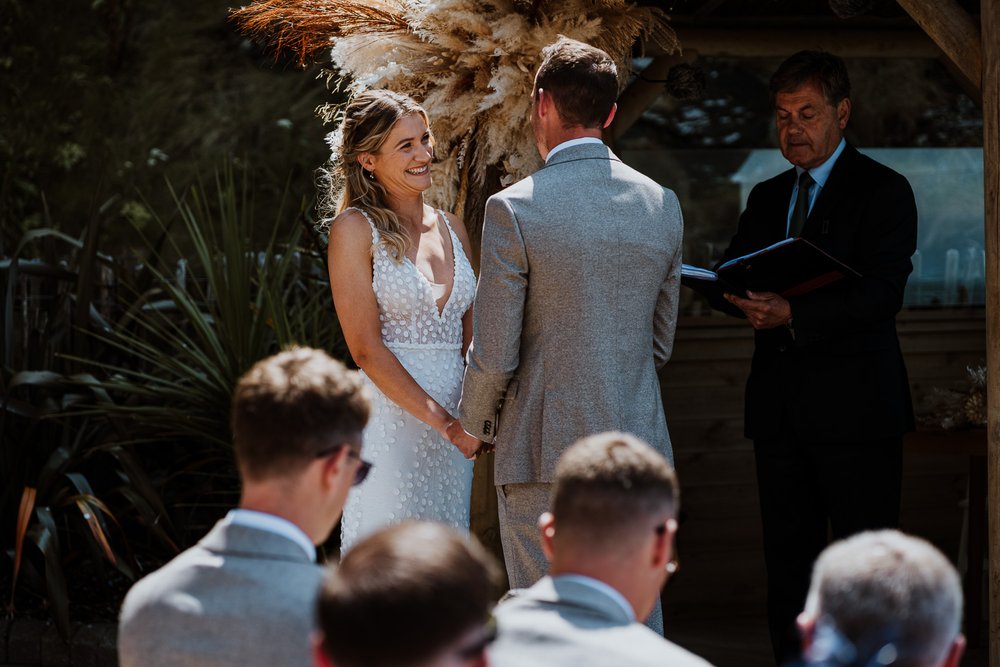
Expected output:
(185, 343)
(95, 458)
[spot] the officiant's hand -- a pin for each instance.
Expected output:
(764, 310)
(467, 444)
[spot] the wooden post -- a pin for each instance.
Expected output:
(635, 99)
(954, 31)
(990, 13)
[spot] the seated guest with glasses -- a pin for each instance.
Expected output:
(244, 594)
(417, 594)
(609, 540)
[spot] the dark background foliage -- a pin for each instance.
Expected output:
(108, 97)
(134, 134)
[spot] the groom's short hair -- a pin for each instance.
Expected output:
(582, 80)
(610, 488)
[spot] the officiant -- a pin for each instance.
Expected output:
(827, 400)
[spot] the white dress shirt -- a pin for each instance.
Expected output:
(820, 175)
(572, 142)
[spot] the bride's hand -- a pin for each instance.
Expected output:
(467, 444)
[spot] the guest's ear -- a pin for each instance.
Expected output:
(611, 116)
(334, 466)
(319, 656)
(806, 624)
(663, 545)
(547, 527)
(955, 652)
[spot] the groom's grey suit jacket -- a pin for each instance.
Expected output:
(558, 622)
(241, 596)
(575, 311)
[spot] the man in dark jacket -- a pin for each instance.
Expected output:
(828, 398)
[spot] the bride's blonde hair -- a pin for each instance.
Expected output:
(367, 121)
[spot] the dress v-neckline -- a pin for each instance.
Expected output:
(439, 310)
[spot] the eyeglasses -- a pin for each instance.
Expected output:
(364, 467)
(478, 648)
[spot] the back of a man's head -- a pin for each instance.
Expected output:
(288, 407)
(883, 595)
(404, 595)
(610, 490)
(582, 80)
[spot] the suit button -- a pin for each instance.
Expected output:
(782, 348)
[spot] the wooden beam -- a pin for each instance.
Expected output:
(954, 31)
(990, 13)
(635, 99)
(775, 41)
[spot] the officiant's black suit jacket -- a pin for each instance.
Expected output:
(837, 374)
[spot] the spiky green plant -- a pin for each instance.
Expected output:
(188, 336)
(65, 497)
(144, 404)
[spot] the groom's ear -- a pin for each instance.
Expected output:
(543, 102)
(611, 116)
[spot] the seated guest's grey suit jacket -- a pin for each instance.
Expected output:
(558, 622)
(241, 596)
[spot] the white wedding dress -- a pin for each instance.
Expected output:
(417, 474)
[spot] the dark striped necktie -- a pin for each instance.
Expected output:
(801, 211)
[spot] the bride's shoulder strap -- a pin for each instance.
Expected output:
(375, 234)
(451, 230)
(447, 222)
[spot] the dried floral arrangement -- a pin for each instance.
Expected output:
(469, 62)
(958, 408)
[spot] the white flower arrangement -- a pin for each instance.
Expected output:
(468, 62)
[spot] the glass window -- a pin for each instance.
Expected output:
(906, 113)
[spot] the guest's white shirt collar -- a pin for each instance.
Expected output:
(822, 172)
(572, 142)
(600, 587)
(272, 524)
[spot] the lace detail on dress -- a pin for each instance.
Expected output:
(407, 307)
(417, 474)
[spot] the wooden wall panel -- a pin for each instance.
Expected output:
(719, 543)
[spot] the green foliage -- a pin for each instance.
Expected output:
(119, 94)
(64, 494)
(187, 339)
(117, 380)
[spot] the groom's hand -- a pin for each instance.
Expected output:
(469, 445)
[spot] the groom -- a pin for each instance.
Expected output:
(577, 300)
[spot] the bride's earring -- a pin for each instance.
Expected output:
(371, 174)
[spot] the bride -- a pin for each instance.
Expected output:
(403, 289)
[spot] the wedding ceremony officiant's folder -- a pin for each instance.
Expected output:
(789, 267)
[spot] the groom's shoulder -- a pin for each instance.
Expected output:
(653, 192)
(521, 189)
